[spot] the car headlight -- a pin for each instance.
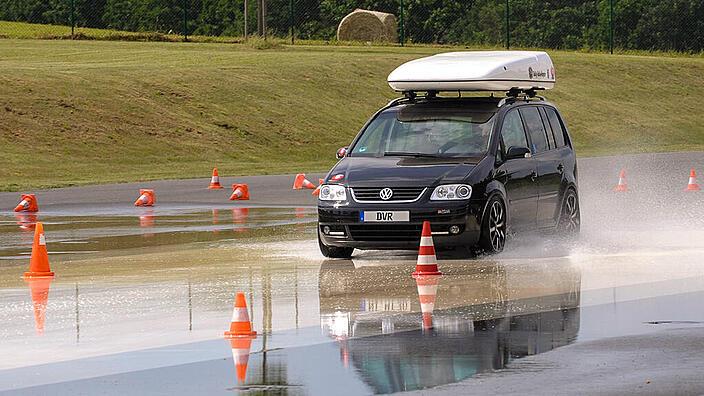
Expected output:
(451, 192)
(332, 192)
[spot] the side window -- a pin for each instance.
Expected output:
(548, 129)
(512, 132)
(556, 127)
(370, 143)
(535, 128)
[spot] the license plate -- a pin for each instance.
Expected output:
(367, 216)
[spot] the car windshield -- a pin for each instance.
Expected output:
(429, 130)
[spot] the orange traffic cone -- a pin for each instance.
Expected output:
(427, 263)
(239, 191)
(302, 182)
(215, 180)
(622, 186)
(427, 290)
(39, 290)
(317, 189)
(146, 198)
(240, 325)
(28, 203)
(692, 186)
(240, 355)
(39, 262)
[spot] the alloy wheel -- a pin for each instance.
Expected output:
(497, 226)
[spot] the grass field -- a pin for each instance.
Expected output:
(80, 112)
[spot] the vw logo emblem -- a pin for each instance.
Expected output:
(386, 193)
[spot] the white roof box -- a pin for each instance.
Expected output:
(476, 71)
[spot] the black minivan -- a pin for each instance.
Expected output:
(476, 168)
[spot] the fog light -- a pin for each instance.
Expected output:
(326, 230)
(454, 229)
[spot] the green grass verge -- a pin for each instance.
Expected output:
(85, 112)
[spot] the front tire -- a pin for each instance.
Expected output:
(493, 236)
(334, 251)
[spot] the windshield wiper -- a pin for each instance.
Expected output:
(407, 154)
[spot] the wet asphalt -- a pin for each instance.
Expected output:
(143, 295)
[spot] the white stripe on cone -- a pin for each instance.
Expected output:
(239, 314)
(426, 259)
(692, 180)
(427, 307)
(237, 193)
(25, 203)
(427, 290)
(426, 241)
(144, 198)
(240, 355)
(215, 179)
(42, 240)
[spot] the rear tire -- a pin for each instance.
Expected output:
(334, 251)
(493, 236)
(570, 218)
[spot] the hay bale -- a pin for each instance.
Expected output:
(365, 25)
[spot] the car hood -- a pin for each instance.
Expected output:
(402, 171)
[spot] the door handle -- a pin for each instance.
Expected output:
(560, 168)
(533, 175)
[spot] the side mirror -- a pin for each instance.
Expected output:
(517, 152)
(341, 152)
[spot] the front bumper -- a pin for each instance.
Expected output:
(346, 230)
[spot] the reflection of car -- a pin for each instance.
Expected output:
(481, 320)
(475, 167)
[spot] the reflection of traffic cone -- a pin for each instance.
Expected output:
(240, 355)
(302, 182)
(39, 262)
(427, 290)
(28, 203)
(317, 189)
(26, 221)
(215, 180)
(240, 325)
(622, 186)
(215, 221)
(427, 263)
(240, 216)
(300, 212)
(146, 198)
(692, 186)
(39, 290)
(239, 191)
(146, 219)
(345, 355)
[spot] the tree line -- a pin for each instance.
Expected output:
(669, 25)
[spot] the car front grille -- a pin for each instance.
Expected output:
(371, 194)
(386, 232)
(391, 232)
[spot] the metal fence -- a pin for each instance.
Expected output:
(666, 25)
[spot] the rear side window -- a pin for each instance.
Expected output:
(535, 128)
(557, 130)
(548, 129)
(512, 132)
